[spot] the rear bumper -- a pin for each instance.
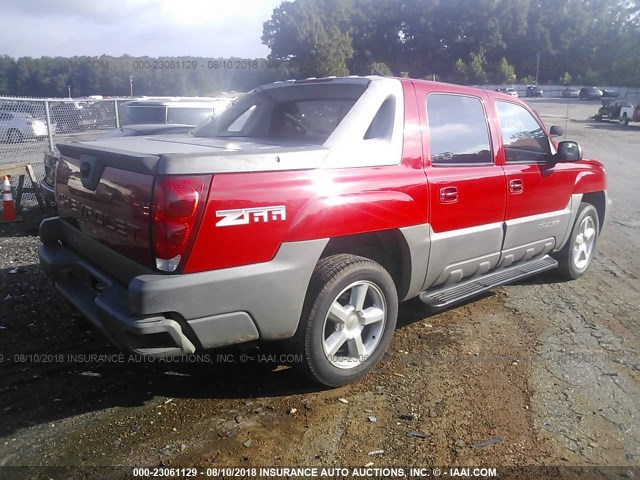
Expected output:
(103, 302)
(166, 315)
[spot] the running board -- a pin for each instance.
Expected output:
(456, 293)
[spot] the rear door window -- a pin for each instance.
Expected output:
(458, 130)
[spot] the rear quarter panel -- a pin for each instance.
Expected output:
(320, 203)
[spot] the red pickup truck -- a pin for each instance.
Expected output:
(308, 210)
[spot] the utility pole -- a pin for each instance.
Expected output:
(537, 68)
(130, 85)
(69, 88)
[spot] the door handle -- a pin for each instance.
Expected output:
(448, 194)
(516, 186)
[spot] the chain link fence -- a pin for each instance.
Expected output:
(30, 127)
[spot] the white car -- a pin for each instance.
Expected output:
(508, 91)
(16, 127)
(630, 113)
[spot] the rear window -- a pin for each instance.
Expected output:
(307, 118)
(302, 113)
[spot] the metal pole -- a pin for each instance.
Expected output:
(49, 126)
(115, 104)
(131, 85)
(537, 68)
(69, 87)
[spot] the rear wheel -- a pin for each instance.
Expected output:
(575, 257)
(349, 318)
(625, 120)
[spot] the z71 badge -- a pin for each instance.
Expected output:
(245, 216)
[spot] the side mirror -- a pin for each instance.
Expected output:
(568, 152)
(556, 131)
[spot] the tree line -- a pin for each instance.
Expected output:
(463, 41)
(124, 75)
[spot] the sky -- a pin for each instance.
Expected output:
(207, 28)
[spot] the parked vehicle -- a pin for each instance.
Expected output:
(308, 210)
(508, 91)
(629, 113)
(608, 92)
(534, 91)
(33, 109)
(103, 113)
(16, 127)
(571, 93)
(610, 110)
(72, 117)
(590, 93)
(177, 110)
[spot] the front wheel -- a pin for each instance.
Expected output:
(349, 318)
(575, 257)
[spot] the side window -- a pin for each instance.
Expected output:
(239, 123)
(523, 138)
(382, 124)
(458, 130)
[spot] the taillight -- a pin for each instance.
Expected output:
(177, 208)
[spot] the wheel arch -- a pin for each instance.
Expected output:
(599, 201)
(403, 252)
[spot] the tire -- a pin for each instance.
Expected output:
(326, 343)
(14, 136)
(598, 118)
(575, 257)
(625, 120)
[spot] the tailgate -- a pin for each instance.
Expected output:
(107, 196)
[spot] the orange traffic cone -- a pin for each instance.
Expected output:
(8, 207)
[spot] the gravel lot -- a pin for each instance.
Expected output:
(548, 372)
